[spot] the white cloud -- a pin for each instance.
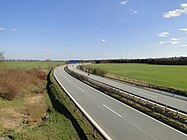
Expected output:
(123, 2)
(183, 29)
(133, 11)
(184, 45)
(14, 30)
(2, 29)
(103, 40)
(176, 12)
(172, 41)
(46, 50)
(184, 5)
(163, 34)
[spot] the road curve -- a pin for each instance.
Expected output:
(149, 94)
(118, 120)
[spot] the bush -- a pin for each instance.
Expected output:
(13, 82)
(9, 90)
(95, 71)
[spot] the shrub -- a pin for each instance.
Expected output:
(41, 75)
(13, 82)
(95, 71)
(9, 90)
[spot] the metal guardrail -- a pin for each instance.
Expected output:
(155, 103)
(102, 134)
(146, 99)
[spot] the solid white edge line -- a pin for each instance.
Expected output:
(85, 113)
(138, 111)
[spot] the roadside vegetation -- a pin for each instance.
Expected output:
(26, 111)
(171, 77)
(44, 65)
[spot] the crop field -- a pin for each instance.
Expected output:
(174, 76)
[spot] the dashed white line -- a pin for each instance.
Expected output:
(129, 122)
(72, 83)
(69, 81)
(84, 112)
(81, 89)
(112, 111)
(137, 111)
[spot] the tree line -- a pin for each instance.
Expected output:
(160, 61)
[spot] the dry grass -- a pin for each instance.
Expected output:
(22, 101)
(14, 81)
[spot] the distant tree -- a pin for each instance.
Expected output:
(160, 61)
(2, 58)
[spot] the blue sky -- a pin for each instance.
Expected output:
(93, 29)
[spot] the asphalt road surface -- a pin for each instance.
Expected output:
(119, 121)
(150, 94)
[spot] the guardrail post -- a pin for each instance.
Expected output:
(165, 109)
(147, 102)
(155, 105)
(133, 97)
(177, 113)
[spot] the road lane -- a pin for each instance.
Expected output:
(162, 98)
(125, 123)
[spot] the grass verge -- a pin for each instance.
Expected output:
(56, 125)
(63, 104)
(162, 77)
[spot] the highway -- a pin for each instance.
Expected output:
(150, 94)
(119, 121)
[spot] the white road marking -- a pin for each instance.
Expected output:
(112, 111)
(141, 113)
(147, 94)
(84, 112)
(72, 82)
(135, 109)
(129, 122)
(69, 81)
(81, 89)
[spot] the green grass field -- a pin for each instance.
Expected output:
(164, 75)
(30, 65)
